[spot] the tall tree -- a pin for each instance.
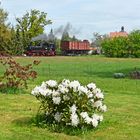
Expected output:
(5, 34)
(134, 43)
(96, 41)
(31, 24)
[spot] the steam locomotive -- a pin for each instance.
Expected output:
(42, 49)
(67, 48)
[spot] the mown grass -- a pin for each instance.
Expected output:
(122, 96)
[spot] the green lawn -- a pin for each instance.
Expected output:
(122, 96)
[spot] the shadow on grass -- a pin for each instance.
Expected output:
(11, 90)
(39, 122)
(23, 121)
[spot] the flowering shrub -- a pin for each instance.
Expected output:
(70, 103)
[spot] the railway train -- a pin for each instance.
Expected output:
(75, 47)
(67, 48)
(42, 49)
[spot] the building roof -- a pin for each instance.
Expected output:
(117, 34)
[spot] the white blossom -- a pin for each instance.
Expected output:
(101, 118)
(55, 93)
(99, 95)
(103, 108)
(91, 86)
(43, 85)
(38, 90)
(86, 117)
(84, 114)
(51, 83)
(65, 82)
(94, 122)
(66, 98)
(89, 95)
(42, 92)
(48, 92)
(97, 104)
(74, 84)
(63, 89)
(35, 91)
(97, 90)
(56, 100)
(82, 89)
(91, 100)
(73, 108)
(97, 117)
(74, 119)
(57, 116)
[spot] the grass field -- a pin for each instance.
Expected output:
(122, 96)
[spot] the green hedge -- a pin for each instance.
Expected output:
(122, 46)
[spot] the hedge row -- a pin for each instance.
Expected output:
(122, 46)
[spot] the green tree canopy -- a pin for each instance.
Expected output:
(123, 46)
(5, 33)
(31, 24)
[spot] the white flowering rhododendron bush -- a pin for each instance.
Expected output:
(70, 103)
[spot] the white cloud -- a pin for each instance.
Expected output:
(89, 15)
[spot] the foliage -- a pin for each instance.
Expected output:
(15, 75)
(14, 40)
(134, 43)
(31, 25)
(115, 47)
(97, 39)
(135, 74)
(5, 33)
(123, 46)
(69, 103)
(65, 37)
(121, 121)
(58, 48)
(14, 45)
(9, 36)
(96, 42)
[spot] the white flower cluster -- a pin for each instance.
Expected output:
(94, 120)
(70, 102)
(74, 117)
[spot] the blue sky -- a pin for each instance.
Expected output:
(86, 16)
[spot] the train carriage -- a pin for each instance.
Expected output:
(75, 47)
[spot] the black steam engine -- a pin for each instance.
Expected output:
(42, 49)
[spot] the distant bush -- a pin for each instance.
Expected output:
(16, 75)
(135, 74)
(69, 103)
(119, 75)
(122, 46)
